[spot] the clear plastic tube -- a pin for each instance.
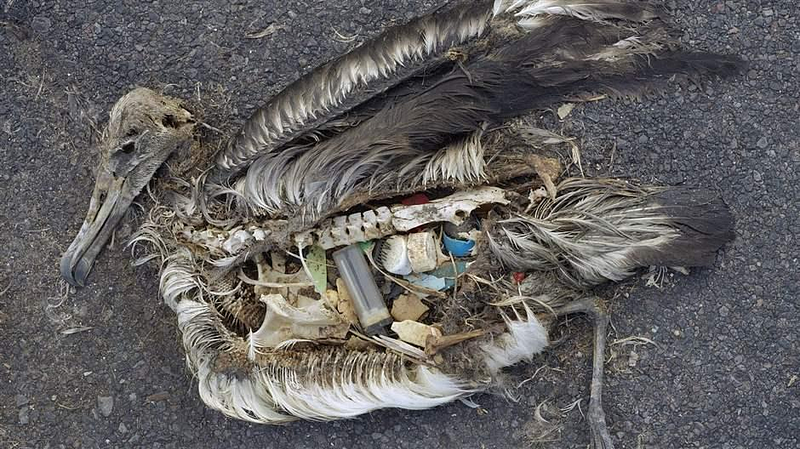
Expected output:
(367, 299)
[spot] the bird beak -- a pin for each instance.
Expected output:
(144, 129)
(106, 208)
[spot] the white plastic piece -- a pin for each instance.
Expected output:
(422, 251)
(414, 332)
(394, 255)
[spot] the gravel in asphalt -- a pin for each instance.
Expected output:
(105, 368)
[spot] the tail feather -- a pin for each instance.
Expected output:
(603, 230)
(704, 224)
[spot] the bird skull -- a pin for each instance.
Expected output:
(144, 129)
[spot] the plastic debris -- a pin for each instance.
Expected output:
(422, 251)
(414, 332)
(317, 267)
(416, 199)
(458, 247)
(394, 256)
(344, 304)
(408, 307)
(427, 281)
(448, 272)
(366, 298)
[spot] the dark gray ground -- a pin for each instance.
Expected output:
(724, 373)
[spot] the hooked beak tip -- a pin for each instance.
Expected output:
(106, 208)
(74, 274)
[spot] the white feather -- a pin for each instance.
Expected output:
(524, 339)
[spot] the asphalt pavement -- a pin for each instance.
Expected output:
(103, 366)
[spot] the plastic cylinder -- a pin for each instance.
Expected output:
(367, 299)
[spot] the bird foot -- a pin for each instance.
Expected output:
(600, 437)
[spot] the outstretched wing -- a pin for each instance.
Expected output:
(427, 130)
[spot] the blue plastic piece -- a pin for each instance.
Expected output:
(457, 247)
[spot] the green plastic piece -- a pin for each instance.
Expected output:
(318, 268)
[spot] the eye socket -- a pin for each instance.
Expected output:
(169, 121)
(128, 148)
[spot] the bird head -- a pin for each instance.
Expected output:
(144, 129)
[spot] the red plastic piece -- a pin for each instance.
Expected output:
(415, 199)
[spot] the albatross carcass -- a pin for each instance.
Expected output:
(386, 231)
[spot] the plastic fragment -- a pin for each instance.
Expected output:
(427, 281)
(416, 199)
(448, 272)
(408, 307)
(394, 255)
(458, 247)
(344, 304)
(414, 332)
(317, 268)
(422, 251)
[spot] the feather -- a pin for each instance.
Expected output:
(412, 137)
(593, 10)
(523, 339)
(326, 384)
(601, 230)
(343, 83)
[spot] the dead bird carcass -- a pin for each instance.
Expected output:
(360, 243)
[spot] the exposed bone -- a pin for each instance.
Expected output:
(436, 342)
(360, 227)
(344, 230)
(454, 208)
(237, 242)
(400, 347)
(272, 280)
(284, 322)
